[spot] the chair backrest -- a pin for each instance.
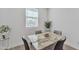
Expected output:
(57, 32)
(59, 45)
(38, 32)
(26, 44)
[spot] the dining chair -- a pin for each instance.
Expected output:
(57, 32)
(59, 45)
(26, 44)
(38, 32)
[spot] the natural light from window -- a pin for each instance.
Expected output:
(31, 17)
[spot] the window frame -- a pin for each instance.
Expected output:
(33, 18)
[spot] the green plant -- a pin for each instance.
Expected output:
(4, 28)
(48, 24)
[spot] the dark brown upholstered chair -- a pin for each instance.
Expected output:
(57, 32)
(26, 44)
(59, 45)
(38, 32)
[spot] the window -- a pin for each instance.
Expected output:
(31, 17)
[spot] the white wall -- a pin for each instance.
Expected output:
(15, 19)
(66, 20)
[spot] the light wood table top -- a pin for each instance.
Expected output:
(39, 41)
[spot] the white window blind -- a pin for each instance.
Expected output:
(31, 17)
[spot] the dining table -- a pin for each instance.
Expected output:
(43, 40)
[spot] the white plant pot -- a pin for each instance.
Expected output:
(47, 29)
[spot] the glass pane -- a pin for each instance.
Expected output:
(31, 22)
(31, 13)
(31, 17)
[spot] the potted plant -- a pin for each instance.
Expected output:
(4, 29)
(48, 25)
